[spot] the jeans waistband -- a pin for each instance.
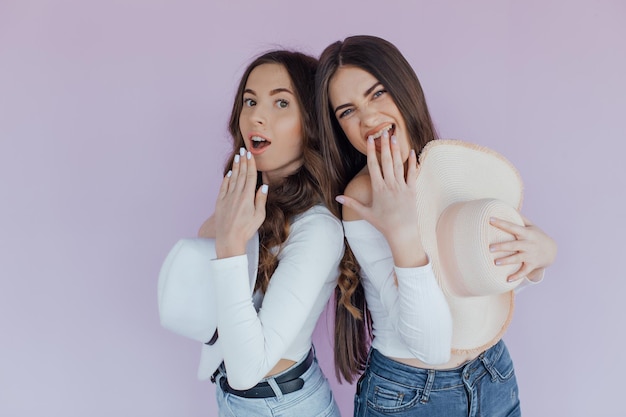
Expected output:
(435, 379)
(287, 382)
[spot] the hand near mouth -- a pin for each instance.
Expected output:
(393, 196)
(239, 210)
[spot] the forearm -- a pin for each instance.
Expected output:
(407, 250)
(422, 316)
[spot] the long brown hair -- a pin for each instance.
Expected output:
(385, 62)
(308, 185)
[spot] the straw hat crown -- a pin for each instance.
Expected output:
(460, 187)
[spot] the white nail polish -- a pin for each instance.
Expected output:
(236, 159)
(242, 151)
(229, 173)
(264, 188)
(248, 155)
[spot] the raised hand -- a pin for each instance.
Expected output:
(393, 210)
(532, 247)
(239, 211)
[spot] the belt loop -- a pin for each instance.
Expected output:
(275, 388)
(430, 380)
(218, 372)
(489, 366)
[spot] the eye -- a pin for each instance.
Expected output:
(282, 104)
(345, 113)
(248, 102)
(379, 93)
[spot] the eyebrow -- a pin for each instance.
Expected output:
(365, 94)
(272, 92)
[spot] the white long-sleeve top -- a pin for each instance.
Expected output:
(255, 333)
(411, 319)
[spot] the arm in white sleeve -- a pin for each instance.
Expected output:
(537, 278)
(421, 314)
(253, 343)
(415, 304)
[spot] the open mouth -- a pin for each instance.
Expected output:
(391, 129)
(259, 142)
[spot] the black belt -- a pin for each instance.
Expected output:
(288, 382)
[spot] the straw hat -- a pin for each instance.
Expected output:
(460, 187)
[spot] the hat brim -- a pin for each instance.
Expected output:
(479, 322)
(186, 295)
(450, 172)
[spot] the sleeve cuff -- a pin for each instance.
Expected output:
(413, 276)
(231, 274)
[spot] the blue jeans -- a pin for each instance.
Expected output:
(484, 387)
(315, 399)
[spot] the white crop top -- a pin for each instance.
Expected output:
(410, 319)
(255, 333)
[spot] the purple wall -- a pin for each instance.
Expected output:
(112, 136)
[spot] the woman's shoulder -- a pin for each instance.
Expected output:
(316, 227)
(360, 189)
(317, 214)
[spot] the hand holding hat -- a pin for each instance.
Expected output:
(532, 248)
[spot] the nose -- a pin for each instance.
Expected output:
(258, 116)
(369, 116)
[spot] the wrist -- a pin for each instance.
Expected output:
(225, 249)
(408, 253)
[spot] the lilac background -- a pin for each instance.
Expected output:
(112, 136)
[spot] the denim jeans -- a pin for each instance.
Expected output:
(315, 399)
(483, 387)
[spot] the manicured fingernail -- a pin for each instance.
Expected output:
(394, 139)
(370, 139)
(412, 152)
(242, 151)
(229, 173)
(248, 155)
(236, 159)
(386, 134)
(492, 248)
(264, 188)
(498, 262)
(492, 219)
(340, 199)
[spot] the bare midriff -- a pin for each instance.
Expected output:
(456, 360)
(281, 366)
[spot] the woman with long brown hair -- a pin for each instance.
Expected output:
(374, 123)
(275, 189)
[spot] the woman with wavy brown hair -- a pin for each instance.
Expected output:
(374, 122)
(272, 205)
